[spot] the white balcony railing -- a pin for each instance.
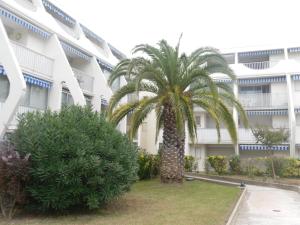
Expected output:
(33, 61)
(258, 65)
(246, 136)
(21, 110)
(85, 81)
(210, 136)
(298, 134)
(263, 100)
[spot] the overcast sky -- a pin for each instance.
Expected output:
(217, 23)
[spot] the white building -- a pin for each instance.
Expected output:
(48, 59)
(268, 86)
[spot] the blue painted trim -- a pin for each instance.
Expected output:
(105, 65)
(59, 14)
(262, 52)
(31, 79)
(21, 22)
(295, 49)
(297, 110)
(91, 35)
(263, 147)
(223, 80)
(104, 101)
(262, 80)
(295, 76)
(116, 52)
(267, 112)
(69, 48)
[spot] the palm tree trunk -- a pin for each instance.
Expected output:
(172, 157)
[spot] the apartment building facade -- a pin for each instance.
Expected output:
(268, 86)
(49, 59)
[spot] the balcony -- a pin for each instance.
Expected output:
(263, 100)
(210, 136)
(21, 110)
(33, 61)
(298, 134)
(86, 82)
(246, 136)
(258, 65)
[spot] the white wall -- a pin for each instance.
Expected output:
(279, 94)
(296, 93)
(16, 80)
(280, 122)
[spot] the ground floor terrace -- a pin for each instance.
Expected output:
(246, 151)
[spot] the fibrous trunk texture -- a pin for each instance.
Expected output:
(172, 154)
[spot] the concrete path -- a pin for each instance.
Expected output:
(268, 206)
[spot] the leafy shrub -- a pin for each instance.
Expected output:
(235, 165)
(13, 175)
(292, 169)
(189, 163)
(218, 163)
(148, 165)
(280, 166)
(78, 159)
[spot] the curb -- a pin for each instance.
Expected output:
(249, 182)
(236, 208)
(213, 180)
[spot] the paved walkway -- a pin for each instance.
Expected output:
(269, 206)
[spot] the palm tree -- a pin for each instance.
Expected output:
(175, 83)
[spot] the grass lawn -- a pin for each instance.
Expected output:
(150, 202)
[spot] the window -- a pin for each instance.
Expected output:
(116, 85)
(230, 58)
(254, 89)
(35, 97)
(103, 107)
(198, 121)
(297, 85)
(298, 120)
(66, 98)
(88, 100)
(4, 88)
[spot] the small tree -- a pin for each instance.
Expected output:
(14, 172)
(270, 137)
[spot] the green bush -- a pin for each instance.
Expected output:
(218, 163)
(78, 159)
(292, 169)
(280, 166)
(148, 165)
(189, 163)
(235, 165)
